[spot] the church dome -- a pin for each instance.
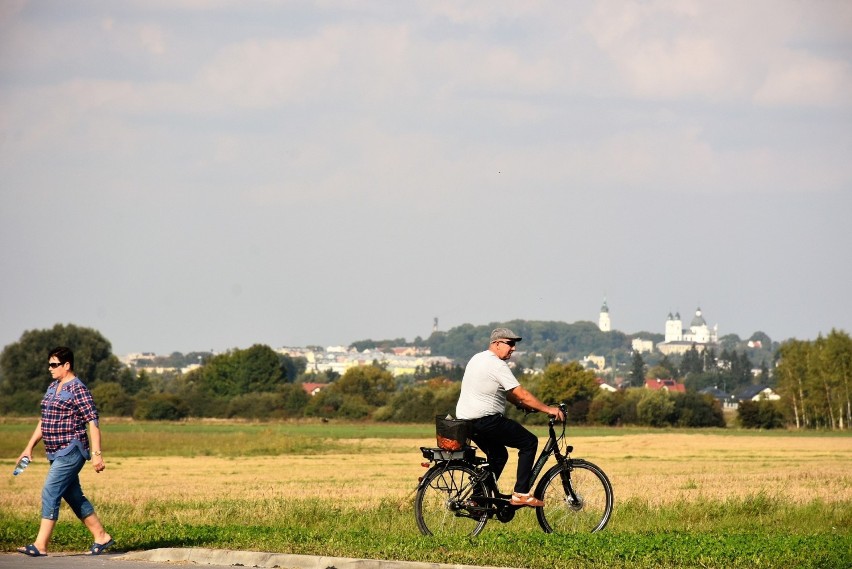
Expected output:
(698, 320)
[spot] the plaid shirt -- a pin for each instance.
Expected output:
(64, 416)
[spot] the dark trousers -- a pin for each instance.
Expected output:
(492, 434)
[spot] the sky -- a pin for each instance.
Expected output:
(187, 175)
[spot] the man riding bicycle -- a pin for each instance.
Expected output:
(486, 386)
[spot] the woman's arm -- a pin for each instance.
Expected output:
(95, 443)
(28, 451)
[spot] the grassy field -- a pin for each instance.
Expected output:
(716, 498)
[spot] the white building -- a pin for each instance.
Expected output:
(680, 340)
(603, 320)
(642, 346)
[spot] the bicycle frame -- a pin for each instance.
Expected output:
(551, 447)
(459, 484)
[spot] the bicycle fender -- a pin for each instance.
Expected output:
(539, 488)
(443, 465)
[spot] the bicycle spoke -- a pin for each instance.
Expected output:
(444, 504)
(583, 503)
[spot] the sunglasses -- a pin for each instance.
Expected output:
(510, 343)
(53, 365)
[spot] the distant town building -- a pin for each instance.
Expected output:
(757, 393)
(402, 360)
(313, 388)
(604, 322)
(642, 346)
(598, 362)
(727, 400)
(679, 340)
(665, 384)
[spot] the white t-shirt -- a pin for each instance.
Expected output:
(487, 379)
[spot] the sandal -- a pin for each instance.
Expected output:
(32, 551)
(98, 548)
(519, 499)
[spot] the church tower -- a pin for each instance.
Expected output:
(674, 328)
(603, 321)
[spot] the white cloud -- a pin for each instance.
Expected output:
(152, 39)
(723, 51)
(805, 80)
(266, 73)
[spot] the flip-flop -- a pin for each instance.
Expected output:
(32, 551)
(98, 548)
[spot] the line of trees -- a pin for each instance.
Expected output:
(259, 383)
(812, 378)
(814, 381)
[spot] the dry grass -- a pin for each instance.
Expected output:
(660, 468)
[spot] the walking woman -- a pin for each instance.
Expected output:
(66, 410)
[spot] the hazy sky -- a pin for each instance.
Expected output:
(192, 175)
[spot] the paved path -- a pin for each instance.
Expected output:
(209, 559)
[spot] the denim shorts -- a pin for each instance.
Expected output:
(63, 482)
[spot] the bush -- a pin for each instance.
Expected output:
(255, 406)
(607, 408)
(656, 409)
(160, 407)
(111, 400)
(639, 406)
(760, 414)
(421, 403)
(25, 403)
(698, 410)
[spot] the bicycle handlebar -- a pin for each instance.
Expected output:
(562, 407)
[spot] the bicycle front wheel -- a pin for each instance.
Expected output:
(577, 498)
(445, 503)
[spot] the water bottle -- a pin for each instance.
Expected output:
(22, 464)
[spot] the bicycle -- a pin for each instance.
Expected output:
(458, 494)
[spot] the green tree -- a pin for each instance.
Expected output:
(813, 379)
(607, 408)
(112, 400)
(660, 371)
(760, 415)
(23, 364)
(255, 370)
(697, 410)
(837, 361)
(569, 341)
(691, 362)
(294, 399)
(637, 370)
(793, 384)
(656, 409)
(569, 383)
(421, 403)
(357, 393)
(131, 383)
(291, 368)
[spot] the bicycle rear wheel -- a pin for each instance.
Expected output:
(445, 504)
(577, 498)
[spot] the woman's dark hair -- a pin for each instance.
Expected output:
(63, 354)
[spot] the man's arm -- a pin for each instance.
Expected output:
(520, 396)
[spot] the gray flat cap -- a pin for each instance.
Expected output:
(504, 334)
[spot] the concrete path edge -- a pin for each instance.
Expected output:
(280, 560)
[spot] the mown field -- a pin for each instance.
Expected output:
(716, 498)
